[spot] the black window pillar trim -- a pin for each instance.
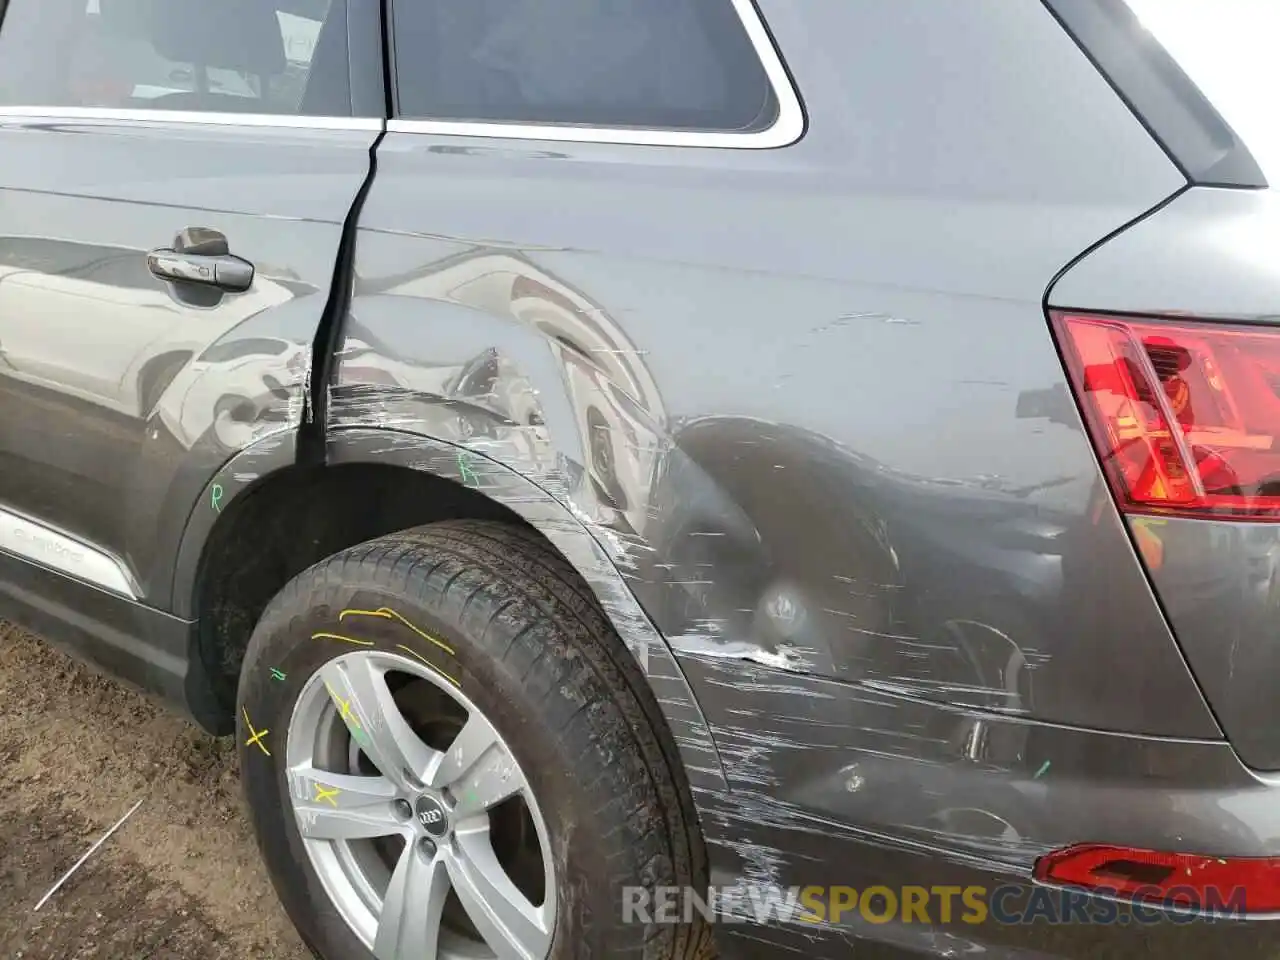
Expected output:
(370, 97)
(1159, 93)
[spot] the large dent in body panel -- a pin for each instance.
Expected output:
(751, 540)
(547, 514)
(972, 572)
(805, 401)
(769, 557)
(863, 547)
(814, 605)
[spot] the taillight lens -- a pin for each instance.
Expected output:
(1246, 884)
(1185, 416)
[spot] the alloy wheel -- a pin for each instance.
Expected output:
(415, 815)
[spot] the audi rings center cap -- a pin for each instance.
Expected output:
(432, 816)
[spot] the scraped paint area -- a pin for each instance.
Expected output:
(848, 621)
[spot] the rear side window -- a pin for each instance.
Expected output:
(223, 56)
(683, 65)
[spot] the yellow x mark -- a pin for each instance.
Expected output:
(344, 708)
(327, 793)
(255, 740)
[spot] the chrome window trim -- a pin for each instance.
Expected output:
(42, 545)
(284, 121)
(787, 128)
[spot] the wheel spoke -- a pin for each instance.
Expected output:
(409, 925)
(513, 927)
(359, 692)
(478, 769)
(334, 806)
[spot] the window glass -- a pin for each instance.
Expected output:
(658, 64)
(237, 56)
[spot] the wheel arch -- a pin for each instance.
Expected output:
(375, 481)
(569, 535)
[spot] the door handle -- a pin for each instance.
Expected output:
(224, 271)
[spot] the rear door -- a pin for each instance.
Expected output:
(174, 181)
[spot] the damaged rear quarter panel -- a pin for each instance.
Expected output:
(1207, 255)
(803, 401)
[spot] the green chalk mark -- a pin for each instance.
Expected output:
(1044, 768)
(276, 674)
(469, 477)
(215, 498)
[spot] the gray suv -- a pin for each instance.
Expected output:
(647, 479)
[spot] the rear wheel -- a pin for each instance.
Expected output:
(447, 753)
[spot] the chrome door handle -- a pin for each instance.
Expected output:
(224, 271)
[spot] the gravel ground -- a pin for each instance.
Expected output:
(180, 880)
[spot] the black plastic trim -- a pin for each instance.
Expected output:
(332, 326)
(370, 97)
(1161, 95)
(121, 637)
(389, 57)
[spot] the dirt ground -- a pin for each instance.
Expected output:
(180, 880)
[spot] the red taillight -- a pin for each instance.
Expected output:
(1240, 884)
(1185, 416)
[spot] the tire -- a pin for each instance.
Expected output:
(495, 613)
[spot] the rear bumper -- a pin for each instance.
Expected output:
(1219, 583)
(840, 786)
(1051, 929)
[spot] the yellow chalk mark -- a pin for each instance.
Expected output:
(417, 655)
(344, 707)
(338, 636)
(386, 613)
(256, 739)
(326, 793)
(383, 613)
